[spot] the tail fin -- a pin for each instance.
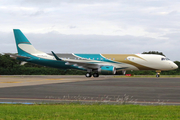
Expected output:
(19, 36)
(24, 47)
(20, 39)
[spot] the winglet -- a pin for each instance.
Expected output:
(57, 58)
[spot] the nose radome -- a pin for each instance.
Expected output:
(175, 66)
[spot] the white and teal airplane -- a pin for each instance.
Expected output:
(92, 63)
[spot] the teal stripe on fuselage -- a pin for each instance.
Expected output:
(97, 57)
(90, 56)
(49, 62)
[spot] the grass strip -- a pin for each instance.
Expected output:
(88, 112)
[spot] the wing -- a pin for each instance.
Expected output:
(81, 63)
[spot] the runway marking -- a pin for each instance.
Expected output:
(28, 81)
(54, 79)
(10, 82)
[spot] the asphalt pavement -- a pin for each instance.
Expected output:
(142, 90)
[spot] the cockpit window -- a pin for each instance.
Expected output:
(165, 59)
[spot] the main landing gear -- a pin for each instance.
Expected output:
(95, 75)
(88, 74)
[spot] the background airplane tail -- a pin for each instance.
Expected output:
(24, 47)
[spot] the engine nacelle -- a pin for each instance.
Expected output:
(107, 70)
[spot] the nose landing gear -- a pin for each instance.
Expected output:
(158, 73)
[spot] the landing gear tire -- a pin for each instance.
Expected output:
(157, 75)
(88, 75)
(95, 75)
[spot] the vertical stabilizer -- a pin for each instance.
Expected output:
(24, 47)
(20, 39)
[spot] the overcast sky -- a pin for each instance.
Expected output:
(93, 26)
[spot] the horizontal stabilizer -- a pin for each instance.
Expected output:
(16, 56)
(57, 58)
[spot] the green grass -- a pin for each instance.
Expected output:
(88, 112)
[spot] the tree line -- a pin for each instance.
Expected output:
(9, 66)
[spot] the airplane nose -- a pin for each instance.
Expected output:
(175, 66)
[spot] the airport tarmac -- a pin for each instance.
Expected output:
(54, 88)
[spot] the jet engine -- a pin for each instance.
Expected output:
(107, 70)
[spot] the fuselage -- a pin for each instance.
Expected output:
(119, 61)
